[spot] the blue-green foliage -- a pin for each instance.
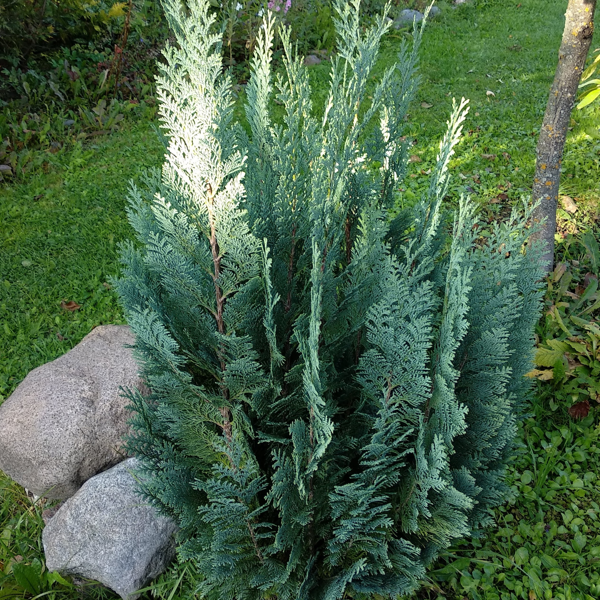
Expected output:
(333, 396)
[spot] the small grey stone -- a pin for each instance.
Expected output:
(107, 532)
(68, 122)
(435, 11)
(311, 60)
(66, 420)
(407, 17)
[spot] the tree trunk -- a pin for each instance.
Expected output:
(577, 37)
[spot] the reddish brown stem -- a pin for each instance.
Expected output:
(119, 50)
(214, 247)
(216, 257)
(256, 548)
(348, 241)
(220, 300)
(224, 410)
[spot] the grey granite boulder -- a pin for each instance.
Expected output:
(407, 17)
(65, 421)
(108, 533)
(312, 60)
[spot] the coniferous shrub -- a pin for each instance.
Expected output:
(334, 394)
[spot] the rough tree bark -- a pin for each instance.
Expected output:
(577, 37)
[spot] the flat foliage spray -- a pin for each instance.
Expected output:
(334, 393)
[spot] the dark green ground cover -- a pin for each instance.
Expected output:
(61, 222)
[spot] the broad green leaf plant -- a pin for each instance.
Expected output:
(591, 86)
(568, 357)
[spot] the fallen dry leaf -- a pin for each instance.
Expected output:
(426, 105)
(414, 158)
(489, 156)
(588, 279)
(559, 271)
(490, 93)
(71, 305)
(541, 374)
(568, 204)
(580, 410)
(506, 155)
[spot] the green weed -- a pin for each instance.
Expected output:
(568, 356)
(547, 540)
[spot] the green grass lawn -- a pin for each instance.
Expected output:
(58, 241)
(60, 227)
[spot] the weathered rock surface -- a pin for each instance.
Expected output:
(406, 17)
(65, 422)
(108, 533)
(312, 60)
